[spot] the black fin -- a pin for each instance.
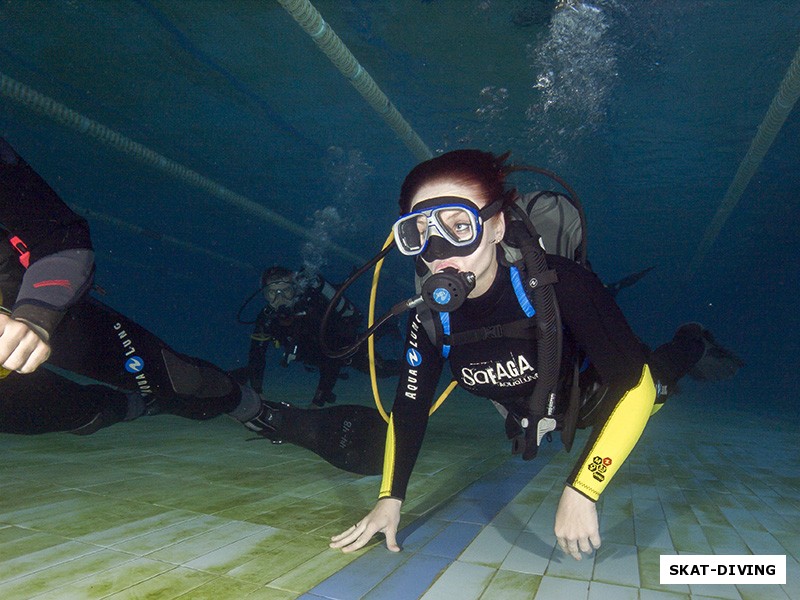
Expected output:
(717, 363)
(351, 437)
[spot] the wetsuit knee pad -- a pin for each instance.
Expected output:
(193, 377)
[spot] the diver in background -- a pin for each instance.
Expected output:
(291, 320)
(46, 270)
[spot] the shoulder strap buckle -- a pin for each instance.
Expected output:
(547, 277)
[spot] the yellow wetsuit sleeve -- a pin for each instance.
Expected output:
(617, 438)
(388, 461)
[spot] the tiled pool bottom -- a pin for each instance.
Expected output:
(704, 480)
(165, 508)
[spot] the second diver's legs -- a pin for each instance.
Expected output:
(348, 436)
(675, 358)
(96, 341)
(328, 375)
(693, 351)
(44, 402)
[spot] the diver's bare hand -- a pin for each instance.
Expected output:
(21, 348)
(576, 527)
(384, 518)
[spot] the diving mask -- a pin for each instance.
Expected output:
(281, 294)
(444, 226)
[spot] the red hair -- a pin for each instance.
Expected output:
(482, 170)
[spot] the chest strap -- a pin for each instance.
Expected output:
(523, 329)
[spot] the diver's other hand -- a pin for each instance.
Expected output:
(21, 348)
(576, 527)
(384, 518)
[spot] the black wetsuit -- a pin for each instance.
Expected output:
(504, 369)
(296, 332)
(46, 267)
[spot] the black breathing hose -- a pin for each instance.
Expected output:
(323, 328)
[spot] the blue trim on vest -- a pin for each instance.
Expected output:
(522, 299)
(444, 317)
(519, 290)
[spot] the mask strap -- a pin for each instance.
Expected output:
(490, 210)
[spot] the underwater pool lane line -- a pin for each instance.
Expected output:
(777, 113)
(309, 18)
(30, 98)
(434, 541)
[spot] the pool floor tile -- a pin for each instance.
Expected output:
(411, 579)
(461, 580)
(617, 564)
(607, 591)
(508, 585)
(452, 540)
(490, 547)
(555, 588)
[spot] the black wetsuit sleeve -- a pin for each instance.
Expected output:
(53, 244)
(597, 324)
(408, 421)
(593, 318)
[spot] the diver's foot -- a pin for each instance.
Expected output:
(268, 421)
(323, 398)
(717, 362)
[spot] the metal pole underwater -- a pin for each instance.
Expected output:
(778, 111)
(30, 98)
(309, 18)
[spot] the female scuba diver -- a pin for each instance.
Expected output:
(455, 211)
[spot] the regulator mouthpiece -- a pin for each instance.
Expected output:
(446, 291)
